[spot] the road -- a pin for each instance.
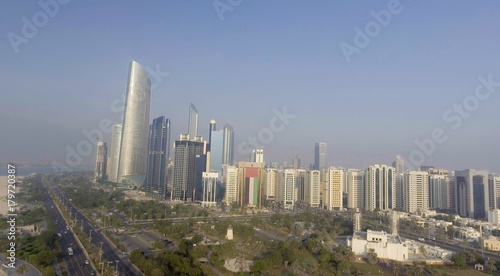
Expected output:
(451, 246)
(111, 255)
(76, 263)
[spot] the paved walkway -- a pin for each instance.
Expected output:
(12, 271)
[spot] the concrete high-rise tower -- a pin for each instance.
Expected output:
(416, 191)
(380, 182)
(258, 155)
(193, 122)
(101, 161)
(134, 145)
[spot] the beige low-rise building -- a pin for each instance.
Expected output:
(492, 243)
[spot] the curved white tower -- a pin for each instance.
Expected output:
(134, 145)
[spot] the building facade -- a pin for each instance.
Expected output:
(187, 170)
(134, 144)
(416, 191)
(380, 182)
(312, 188)
(355, 189)
(159, 147)
(101, 161)
(334, 189)
(116, 139)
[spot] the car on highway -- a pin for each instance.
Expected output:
(87, 262)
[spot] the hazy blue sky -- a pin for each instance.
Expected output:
(263, 55)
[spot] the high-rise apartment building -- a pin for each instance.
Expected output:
(286, 188)
(438, 191)
(209, 193)
(271, 183)
(334, 189)
(312, 188)
(495, 185)
(416, 191)
(101, 160)
(380, 187)
(355, 189)
(231, 181)
(132, 168)
(258, 155)
(472, 193)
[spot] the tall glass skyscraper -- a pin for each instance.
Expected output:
(159, 145)
(188, 167)
(320, 156)
(228, 151)
(193, 122)
(134, 145)
(216, 150)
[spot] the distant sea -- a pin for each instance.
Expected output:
(24, 171)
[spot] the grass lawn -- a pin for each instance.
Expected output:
(461, 272)
(373, 269)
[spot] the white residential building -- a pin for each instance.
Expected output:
(494, 216)
(271, 183)
(438, 191)
(380, 189)
(416, 191)
(312, 188)
(286, 188)
(231, 179)
(355, 189)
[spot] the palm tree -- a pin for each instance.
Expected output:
(22, 269)
(491, 266)
(396, 269)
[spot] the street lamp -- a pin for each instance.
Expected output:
(117, 261)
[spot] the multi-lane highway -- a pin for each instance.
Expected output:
(75, 264)
(110, 254)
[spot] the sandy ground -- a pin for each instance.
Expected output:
(3, 193)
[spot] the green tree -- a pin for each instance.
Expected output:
(460, 260)
(450, 231)
(372, 257)
(259, 266)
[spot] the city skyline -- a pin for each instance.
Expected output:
(383, 109)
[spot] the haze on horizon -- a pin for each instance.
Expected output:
(261, 56)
